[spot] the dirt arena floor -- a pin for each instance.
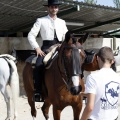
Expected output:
(24, 110)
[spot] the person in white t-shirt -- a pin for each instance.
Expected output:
(102, 89)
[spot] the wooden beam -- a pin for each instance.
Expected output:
(95, 25)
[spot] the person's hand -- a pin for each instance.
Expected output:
(40, 52)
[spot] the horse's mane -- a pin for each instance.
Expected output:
(113, 66)
(95, 50)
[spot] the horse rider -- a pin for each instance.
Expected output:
(52, 30)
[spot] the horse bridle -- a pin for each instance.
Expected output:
(67, 81)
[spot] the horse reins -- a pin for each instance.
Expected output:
(65, 72)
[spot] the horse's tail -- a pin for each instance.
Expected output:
(14, 82)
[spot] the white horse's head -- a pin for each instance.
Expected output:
(117, 56)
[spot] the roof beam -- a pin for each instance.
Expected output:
(107, 33)
(60, 14)
(67, 11)
(15, 30)
(97, 24)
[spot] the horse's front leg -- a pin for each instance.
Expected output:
(6, 95)
(45, 109)
(56, 113)
(76, 111)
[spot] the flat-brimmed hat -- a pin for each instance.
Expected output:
(53, 2)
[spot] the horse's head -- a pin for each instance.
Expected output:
(117, 56)
(91, 62)
(71, 57)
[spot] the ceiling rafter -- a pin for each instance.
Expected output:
(97, 24)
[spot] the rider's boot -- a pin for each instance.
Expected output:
(38, 76)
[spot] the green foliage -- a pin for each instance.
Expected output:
(117, 3)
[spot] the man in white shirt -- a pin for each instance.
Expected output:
(52, 30)
(102, 89)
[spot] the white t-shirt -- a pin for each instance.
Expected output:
(105, 84)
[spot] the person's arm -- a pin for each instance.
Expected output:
(90, 92)
(65, 30)
(32, 37)
(89, 106)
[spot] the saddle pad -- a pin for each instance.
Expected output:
(8, 56)
(49, 55)
(30, 59)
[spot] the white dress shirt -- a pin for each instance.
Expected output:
(46, 26)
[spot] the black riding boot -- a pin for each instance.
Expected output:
(38, 74)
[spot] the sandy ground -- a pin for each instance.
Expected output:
(24, 110)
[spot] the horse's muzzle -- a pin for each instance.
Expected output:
(76, 90)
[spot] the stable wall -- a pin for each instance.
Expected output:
(100, 42)
(18, 43)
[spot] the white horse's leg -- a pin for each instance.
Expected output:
(6, 95)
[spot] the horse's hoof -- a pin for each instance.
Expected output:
(45, 115)
(15, 118)
(7, 119)
(34, 118)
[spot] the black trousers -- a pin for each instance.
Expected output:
(38, 72)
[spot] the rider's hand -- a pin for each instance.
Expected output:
(40, 52)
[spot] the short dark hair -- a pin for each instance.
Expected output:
(106, 54)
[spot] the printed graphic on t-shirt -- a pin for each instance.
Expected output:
(111, 96)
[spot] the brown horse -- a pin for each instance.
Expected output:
(91, 63)
(62, 80)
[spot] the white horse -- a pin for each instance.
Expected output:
(117, 56)
(9, 76)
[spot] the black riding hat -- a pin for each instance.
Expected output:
(53, 2)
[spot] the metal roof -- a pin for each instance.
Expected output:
(19, 15)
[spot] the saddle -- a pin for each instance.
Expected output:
(11, 62)
(90, 54)
(48, 59)
(7, 56)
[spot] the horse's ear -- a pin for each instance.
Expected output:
(68, 36)
(83, 38)
(118, 48)
(13, 52)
